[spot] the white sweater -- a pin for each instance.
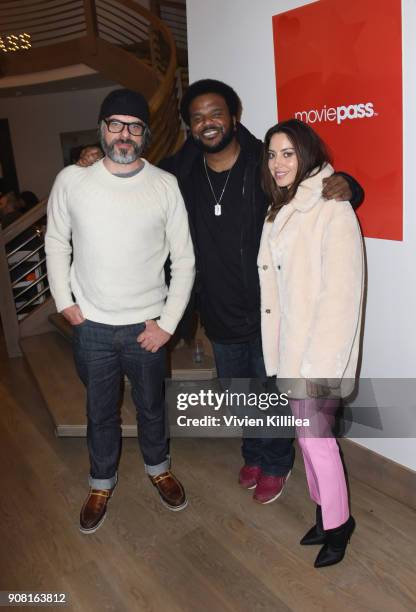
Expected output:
(122, 231)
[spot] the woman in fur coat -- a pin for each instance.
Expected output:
(311, 269)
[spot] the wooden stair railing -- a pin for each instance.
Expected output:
(24, 287)
(173, 14)
(118, 38)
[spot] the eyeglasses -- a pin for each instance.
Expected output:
(116, 126)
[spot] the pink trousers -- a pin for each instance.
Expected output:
(323, 465)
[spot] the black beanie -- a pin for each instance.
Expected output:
(124, 102)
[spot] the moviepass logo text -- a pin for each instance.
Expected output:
(338, 113)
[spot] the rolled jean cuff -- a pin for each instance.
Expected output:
(102, 483)
(160, 468)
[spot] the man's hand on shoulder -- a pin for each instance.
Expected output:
(153, 337)
(73, 314)
(84, 162)
(336, 187)
(89, 155)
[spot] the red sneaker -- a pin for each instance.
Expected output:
(269, 488)
(249, 476)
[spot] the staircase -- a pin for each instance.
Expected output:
(173, 14)
(129, 45)
(117, 38)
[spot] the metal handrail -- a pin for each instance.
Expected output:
(38, 263)
(36, 297)
(35, 282)
(25, 258)
(37, 234)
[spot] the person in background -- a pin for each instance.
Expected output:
(9, 204)
(124, 216)
(311, 269)
(27, 200)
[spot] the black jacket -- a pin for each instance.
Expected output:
(223, 327)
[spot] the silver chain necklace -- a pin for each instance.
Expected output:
(217, 207)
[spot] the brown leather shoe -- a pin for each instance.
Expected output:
(93, 511)
(172, 493)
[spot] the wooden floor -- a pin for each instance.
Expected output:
(223, 553)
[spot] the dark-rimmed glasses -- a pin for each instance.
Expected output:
(115, 126)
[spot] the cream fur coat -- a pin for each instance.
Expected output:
(311, 268)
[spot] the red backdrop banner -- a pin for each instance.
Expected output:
(339, 68)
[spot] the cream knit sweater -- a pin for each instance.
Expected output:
(122, 230)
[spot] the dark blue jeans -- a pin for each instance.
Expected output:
(245, 360)
(103, 355)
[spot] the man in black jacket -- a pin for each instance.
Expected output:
(218, 169)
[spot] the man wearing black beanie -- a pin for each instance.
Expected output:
(123, 216)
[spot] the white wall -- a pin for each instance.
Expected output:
(35, 125)
(231, 40)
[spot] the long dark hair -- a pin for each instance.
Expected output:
(312, 155)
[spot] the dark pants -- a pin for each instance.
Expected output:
(103, 355)
(245, 360)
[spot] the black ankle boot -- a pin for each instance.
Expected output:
(336, 541)
(316, 534)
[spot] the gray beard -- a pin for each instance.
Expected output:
(122, 156)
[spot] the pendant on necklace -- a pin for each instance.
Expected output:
(217, 206)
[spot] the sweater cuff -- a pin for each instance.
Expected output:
(63, 302)
(167, 323)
